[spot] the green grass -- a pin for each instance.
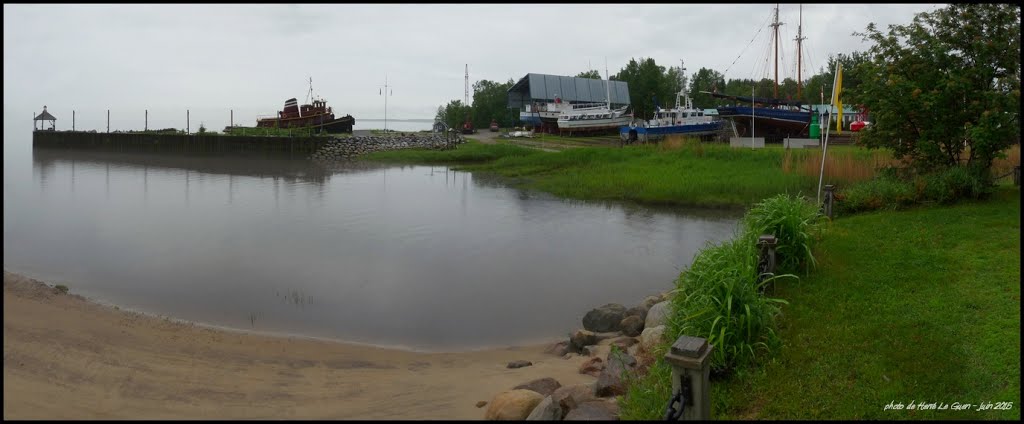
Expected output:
(913, 305)
(701, 175)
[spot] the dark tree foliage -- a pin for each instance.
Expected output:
(945, 85)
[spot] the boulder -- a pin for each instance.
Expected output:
(569, 397)
(595, 410)
(612, 382)
(582, 338)
(632, 325)
(658, 315)
(650, 301)
(651, 338)
(638, 311)
(605, 318)
(546, 410)
(519, 364)
(513, 405)
(558, 349)
(544, 386)
(592, 366)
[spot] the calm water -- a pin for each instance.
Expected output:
(419, 256)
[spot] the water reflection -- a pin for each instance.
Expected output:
(420, 256)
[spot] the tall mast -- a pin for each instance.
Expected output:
(776, 26)
(799, 50)
(608, 84)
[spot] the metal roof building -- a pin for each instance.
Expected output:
(544, 88)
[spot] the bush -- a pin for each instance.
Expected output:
(955, 183)
(794, 223)
(886, 191)
(718, 299)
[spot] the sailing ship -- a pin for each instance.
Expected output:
(316, 115)
(683, 119)
(594, 117)
(775, 119)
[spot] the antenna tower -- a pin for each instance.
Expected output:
(466, 101)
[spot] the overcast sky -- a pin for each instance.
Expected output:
(250, 58)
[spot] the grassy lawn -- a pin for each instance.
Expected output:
(916, 305)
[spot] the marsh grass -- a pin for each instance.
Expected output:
(795, 223)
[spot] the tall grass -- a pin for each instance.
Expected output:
(843, 166)
(793, 221)
(719, 299)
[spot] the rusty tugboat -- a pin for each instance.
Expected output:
(316, 115)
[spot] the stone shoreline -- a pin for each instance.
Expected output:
(350, 147)
(617, 341)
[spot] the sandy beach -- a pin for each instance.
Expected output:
(66, 357)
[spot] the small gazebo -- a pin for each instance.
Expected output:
(45, 116)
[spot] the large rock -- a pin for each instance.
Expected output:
(544, 386)
(592, 366)
(546, 410)
(605, 318)
(658, 315)
(569, 397)
(513, 405)
(650, 301)
(581, 339)
(639, 311)
(595, 410)
(558, 349)
(612, 382)
(632, 325)
(651, 338)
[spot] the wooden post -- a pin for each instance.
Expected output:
(691, 379)
(146, 125)
(72, 120)
(108, 121)
(829, 196)
(232, 117)
(188, 129)
(766, 258)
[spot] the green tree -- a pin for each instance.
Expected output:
(454, 113)
(947, 83)
(490, 101)
(592, 74)
(707, 80)
(646, 79)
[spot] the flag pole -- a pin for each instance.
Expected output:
(821, 176)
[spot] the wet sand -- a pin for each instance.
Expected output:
(66, 357)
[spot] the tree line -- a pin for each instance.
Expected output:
(652, 85)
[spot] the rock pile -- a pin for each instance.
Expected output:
(619, 342)
(350, 147)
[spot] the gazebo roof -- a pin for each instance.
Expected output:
(45, 116)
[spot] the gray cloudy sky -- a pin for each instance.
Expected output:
(250, 58)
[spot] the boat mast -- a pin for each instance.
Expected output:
(608, 84)
(799, 50)
(776, 26)
(682, 87)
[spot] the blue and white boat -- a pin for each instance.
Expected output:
(683, 119)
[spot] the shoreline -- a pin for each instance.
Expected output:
(69, 357)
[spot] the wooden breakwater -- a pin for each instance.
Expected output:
(178, 143)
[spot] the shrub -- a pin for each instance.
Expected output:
(794, 223)
(886, 191)
(955, 183)
(718, 299)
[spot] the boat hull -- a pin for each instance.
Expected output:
(324, 123)
(773, 124)
(710, 128)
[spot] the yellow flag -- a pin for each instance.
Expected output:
(836, 101)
